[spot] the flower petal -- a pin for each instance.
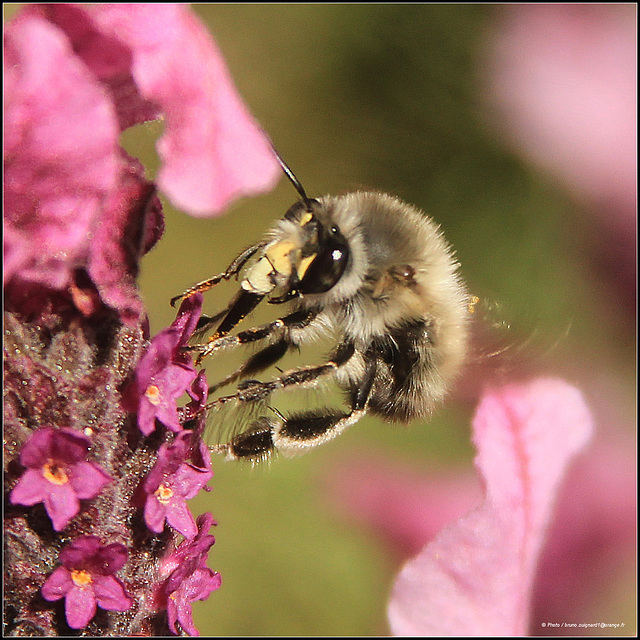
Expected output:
(88, 478)
(475, 578)
(111, 594)
(30, 489)
(154, 514)
(60, 155)
(131, 221)
(62, 504)
(105, 56)
(212, 150)
(80, 551)
(57, 584)
(69, 446)
(180, 518)
(80, 607)
(37, 450)
(110, 558)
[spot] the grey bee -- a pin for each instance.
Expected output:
(376, 271)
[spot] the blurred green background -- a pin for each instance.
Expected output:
(383, 96)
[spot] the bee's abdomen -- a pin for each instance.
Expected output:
(407, 384)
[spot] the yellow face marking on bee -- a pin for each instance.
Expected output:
(280, 256)
(304, 265)
(277, 261)
(306, 218)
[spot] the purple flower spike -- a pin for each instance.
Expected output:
(86, 581)
(172, 482)
(188, 577)
(57, 474)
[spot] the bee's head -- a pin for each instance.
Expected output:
(323, 250)
(308, 254)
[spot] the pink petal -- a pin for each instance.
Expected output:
(37, 450)
(57, 584)
(213, 151)
(30, 489)
(475, 578)
(154, 514)
(80, 607)
(60, 157)
(105, 56)
(180, 518)
(88, 479)
(62, 505)
(110, 593)
(131, 222)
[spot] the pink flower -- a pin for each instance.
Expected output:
(79, 215)
(60, 153)
(186, 577)
(75, 203)
(86, 581)
(165, 372)
(172, 482)
(476, 576)
(57, 474)
(564, 79)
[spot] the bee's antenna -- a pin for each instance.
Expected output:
(292, 178)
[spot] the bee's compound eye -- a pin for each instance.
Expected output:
(327, 267)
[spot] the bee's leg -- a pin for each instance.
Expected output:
(296, 433)
(231, 270)
(257, 391)
(269, 355)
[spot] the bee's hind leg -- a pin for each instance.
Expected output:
(297, 433)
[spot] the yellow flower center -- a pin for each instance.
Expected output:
(81, 577)
(55, 472)
(164, 494)
(153, 394)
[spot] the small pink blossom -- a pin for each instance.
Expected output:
(57, 474)
(165, 372)
(186, 577)
(172, 481)
(86, 581)
(476, 576)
